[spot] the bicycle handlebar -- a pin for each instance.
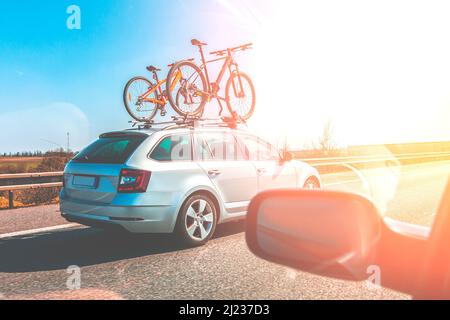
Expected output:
(238, 48)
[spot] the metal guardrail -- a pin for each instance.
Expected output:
(354, 160)
(326, 161)
(28, 176)
(360, 159)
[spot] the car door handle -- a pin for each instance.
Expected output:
(214, 172)
(262, 170)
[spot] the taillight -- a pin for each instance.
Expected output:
(133, 181)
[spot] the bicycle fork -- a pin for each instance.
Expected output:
(238, 94)
(216, 87)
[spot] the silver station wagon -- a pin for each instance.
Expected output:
(179, 179)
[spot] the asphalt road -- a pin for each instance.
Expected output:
(116, 266)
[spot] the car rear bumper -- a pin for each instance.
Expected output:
(136, 219)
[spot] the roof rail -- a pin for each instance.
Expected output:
(191, 121)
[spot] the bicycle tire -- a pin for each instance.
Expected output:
(130, 108)
(172, 99)
(229, 90)
(198, 113)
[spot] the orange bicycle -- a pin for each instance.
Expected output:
(191, 88)
(143, 99)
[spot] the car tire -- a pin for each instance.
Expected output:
(311, 183)
(196, 220)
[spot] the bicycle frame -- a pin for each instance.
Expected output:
(213, 87)
(160, 93)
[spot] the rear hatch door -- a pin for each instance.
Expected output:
(93, 174)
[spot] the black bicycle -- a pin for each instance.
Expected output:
(189, 94)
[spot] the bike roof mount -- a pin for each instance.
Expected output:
(191, 121)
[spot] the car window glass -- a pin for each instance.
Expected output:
(202, 151)
(173, 148)
(259, 149)
(223, 146)
(109, 150)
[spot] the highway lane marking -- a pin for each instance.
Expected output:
(39, 230)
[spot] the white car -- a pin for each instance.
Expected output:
(181, 179)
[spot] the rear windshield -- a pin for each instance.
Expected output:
(114, 150)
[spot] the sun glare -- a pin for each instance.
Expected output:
(379, 71)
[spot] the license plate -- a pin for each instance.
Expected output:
(85, 181)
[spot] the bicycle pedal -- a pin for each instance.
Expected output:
(163, 113)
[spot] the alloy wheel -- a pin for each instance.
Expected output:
(199, 220)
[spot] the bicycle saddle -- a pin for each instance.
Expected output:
(152, 69)
(196, 42)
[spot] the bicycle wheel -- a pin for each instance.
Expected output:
(240, 99)
(137, 108)
(186, 88)
(180, 101)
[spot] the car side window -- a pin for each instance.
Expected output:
(202, 150)
(258, 149)
(173, 148)
(221, 146)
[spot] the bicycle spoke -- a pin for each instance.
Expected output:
(184, 94)
(189, 104)
(136, 91)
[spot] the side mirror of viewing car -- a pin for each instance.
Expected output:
(286, 156)
(323, 232)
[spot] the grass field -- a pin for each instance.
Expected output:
(18, 164)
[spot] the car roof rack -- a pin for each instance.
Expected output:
(231, 122)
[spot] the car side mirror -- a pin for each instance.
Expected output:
(286, 156)
(323, 232)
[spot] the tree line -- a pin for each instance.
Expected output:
(37, 154)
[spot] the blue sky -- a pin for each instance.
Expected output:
(378, 71)
(47, 68)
